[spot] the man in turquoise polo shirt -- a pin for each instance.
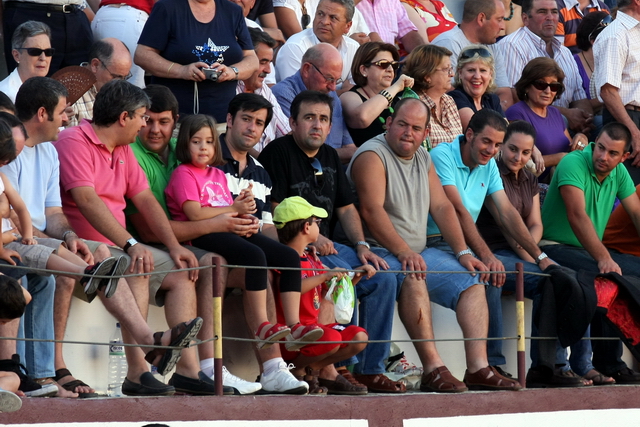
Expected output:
(575, 213)
(155, 151)
(469, 175)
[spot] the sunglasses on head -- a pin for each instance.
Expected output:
(470, 53)
(604, 23)
(35, 51)
(384, 64)
(542, 85)
(318, 176)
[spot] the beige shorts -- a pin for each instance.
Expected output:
(162, 265)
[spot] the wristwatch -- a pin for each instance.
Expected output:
(363, 243)
(541, 257)
(235, 70)
(130, 242)
(463, 253)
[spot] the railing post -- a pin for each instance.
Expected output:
(520, 323)
(216, 274)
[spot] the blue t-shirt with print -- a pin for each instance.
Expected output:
(174, 31)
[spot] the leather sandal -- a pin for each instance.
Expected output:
(349, 377)
(598, 378)
(312, 379)
(71, 385)
(379, 383)
(544, 377)
(181, 336)
(341, 386)
(440, 380)
(490, 379)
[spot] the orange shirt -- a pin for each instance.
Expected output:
(621, 233)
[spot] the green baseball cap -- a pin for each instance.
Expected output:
(293, 208)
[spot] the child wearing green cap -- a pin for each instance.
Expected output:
(297, 223)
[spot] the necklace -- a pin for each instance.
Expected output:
(510, 17)
(365, 92)
(586, 62)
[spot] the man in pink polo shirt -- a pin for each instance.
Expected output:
(98, 172)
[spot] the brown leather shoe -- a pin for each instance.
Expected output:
(490, 379)
(440, 380)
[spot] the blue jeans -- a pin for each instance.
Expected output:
(607, 355)
(377, 298)
(37, 322)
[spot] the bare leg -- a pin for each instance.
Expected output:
(473, 316)
(180, 306)
(415, 312)
(136, 365)
(8, 347)
(9, 381)
(290, 307)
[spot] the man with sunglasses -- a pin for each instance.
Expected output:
(617, 75)
(536, 39)
(320, 70)
(331, 25)
(302, 164)
(110, 59)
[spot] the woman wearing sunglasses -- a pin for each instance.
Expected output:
(31, 48)
(474, 83)
(430, 66)
(540, 84)
(366, 105)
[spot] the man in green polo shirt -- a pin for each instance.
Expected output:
(575, 213)
(155, 151)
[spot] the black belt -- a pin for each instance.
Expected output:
(632, 107)
(64, 8)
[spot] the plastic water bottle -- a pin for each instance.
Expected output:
(117, 364)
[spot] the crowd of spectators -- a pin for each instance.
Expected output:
(371, 135)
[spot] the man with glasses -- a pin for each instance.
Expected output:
(110, 59)
(302, 164)
(331, 25)
(320, 70)
(617, 75)
(536, 39)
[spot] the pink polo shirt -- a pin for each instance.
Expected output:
(86, 162)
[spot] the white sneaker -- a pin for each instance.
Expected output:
(9, 402)
(282, 382)
(239, 385)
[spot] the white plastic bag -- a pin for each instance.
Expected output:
(343, 296)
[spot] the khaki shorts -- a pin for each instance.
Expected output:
(162, 265)
(35, 256)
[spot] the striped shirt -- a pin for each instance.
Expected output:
(617, 58)
(254, 174)
(388, 18)
(571, 16)
(521, 46)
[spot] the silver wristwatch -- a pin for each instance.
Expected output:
(463, 253)
(541, 257)
(363, 243)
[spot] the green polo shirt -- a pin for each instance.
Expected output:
(158, 174)
(576, 169)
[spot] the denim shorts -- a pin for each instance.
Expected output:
(444, 288)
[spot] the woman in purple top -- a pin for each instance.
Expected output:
(539, 85)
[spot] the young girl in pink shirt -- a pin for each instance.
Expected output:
(198, 190)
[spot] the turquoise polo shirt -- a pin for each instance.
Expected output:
(472, 184)
(576, 169)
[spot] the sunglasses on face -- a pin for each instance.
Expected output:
(35, 51)
(470, 53)
(318, 176)
(601, 26)
(542, 85)
(384, 64)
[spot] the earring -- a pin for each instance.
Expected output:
(364, 75)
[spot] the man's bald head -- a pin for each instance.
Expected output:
(109, 59)
(321, 68)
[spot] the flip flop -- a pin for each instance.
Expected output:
(71, 385)
(181, 336)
